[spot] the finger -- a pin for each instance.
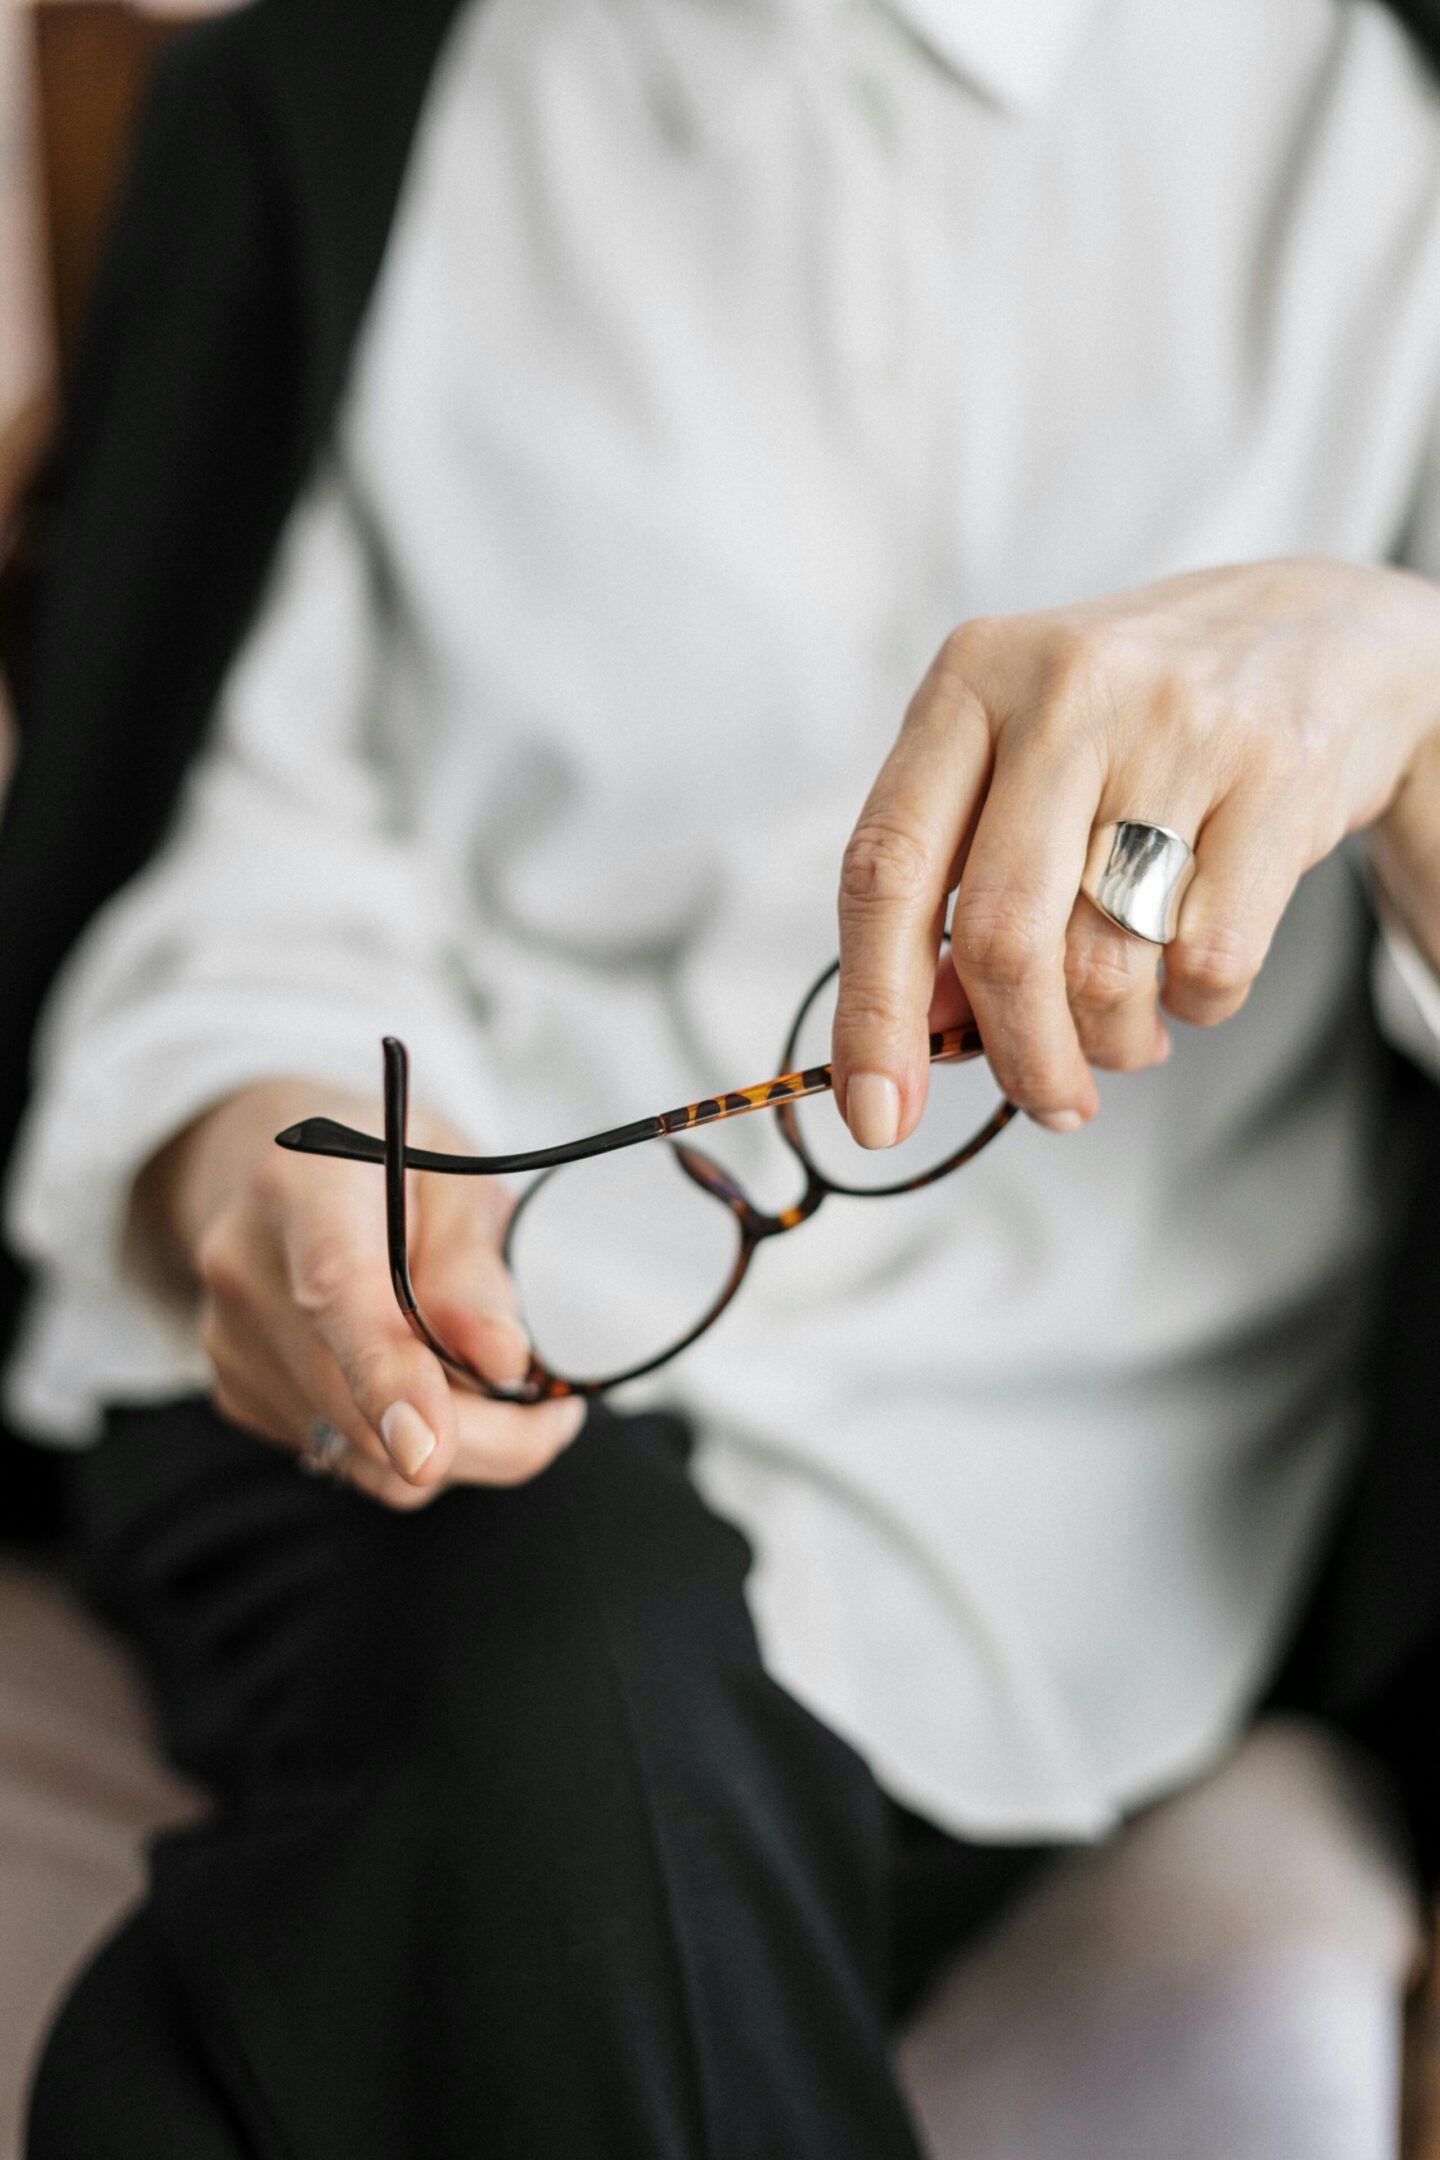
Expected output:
(1112, 981)
(251, 1391)
(949, 1006)
(460, 1276)
(275, 1376)
(1248, 860)
(264, 1352)
(1012, 913)
(396, 1387)
(240, 1402)
(237, 1402)
(493, 1441)
(239, 1405)
(509, 1443)
(385, 1485)
(896, 878)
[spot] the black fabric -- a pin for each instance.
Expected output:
(1422, 18)
(518, 1848)
(126, 2074)
(1374, 1609)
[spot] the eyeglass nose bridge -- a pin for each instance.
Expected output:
(754, 1222)
(708, 1176)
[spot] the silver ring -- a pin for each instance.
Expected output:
(1137, 875)
(325, 1450)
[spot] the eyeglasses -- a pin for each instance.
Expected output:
(698, 1228)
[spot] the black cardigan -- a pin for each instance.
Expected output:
(242, 260)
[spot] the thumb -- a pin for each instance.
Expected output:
(403, 1409)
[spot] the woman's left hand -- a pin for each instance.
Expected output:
(1263, 711)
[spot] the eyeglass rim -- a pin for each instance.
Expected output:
(753, 1226)
(749, 1236)
(789, 1122)
(541, 1383)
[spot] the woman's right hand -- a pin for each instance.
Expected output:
(297, 1315)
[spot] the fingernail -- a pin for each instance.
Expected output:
(1059, 1120)
(872, 1109)
(408, 1440)
(1165, 1047)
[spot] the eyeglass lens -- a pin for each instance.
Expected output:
(619, 1260)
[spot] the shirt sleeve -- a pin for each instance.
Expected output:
(1406, 992)
(291, 918)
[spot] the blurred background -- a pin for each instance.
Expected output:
(71, 76)
(80, 1784)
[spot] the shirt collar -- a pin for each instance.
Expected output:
(703, 55)
(1012, 51)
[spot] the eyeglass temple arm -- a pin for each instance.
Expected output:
(324, 1136)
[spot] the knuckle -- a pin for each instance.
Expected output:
(274, 1178)
(1102, 974)
(1036, 1084)
(1180, 715)
(322, 1271)
(370, 1371)
(221, 1259)
(1077, 658)
(1211, 961)
(966, 648)
(884, 865)
(866, 1014)
(998, 938)
(1305, 750)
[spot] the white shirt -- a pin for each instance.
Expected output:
(726, 354)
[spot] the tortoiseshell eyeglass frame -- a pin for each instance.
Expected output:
(324, 1136)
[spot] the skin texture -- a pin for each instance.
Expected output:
(1263, 710)
(297, 1315)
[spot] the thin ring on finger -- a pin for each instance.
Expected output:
(302, 1382)
(325, 1452)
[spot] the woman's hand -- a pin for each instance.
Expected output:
(298, 1317)
(1263, 711)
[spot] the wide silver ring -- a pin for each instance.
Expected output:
(325, 1450)
(1137, 875)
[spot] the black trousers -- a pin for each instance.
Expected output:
(517, 1850)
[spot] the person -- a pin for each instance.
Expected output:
(729, 370)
